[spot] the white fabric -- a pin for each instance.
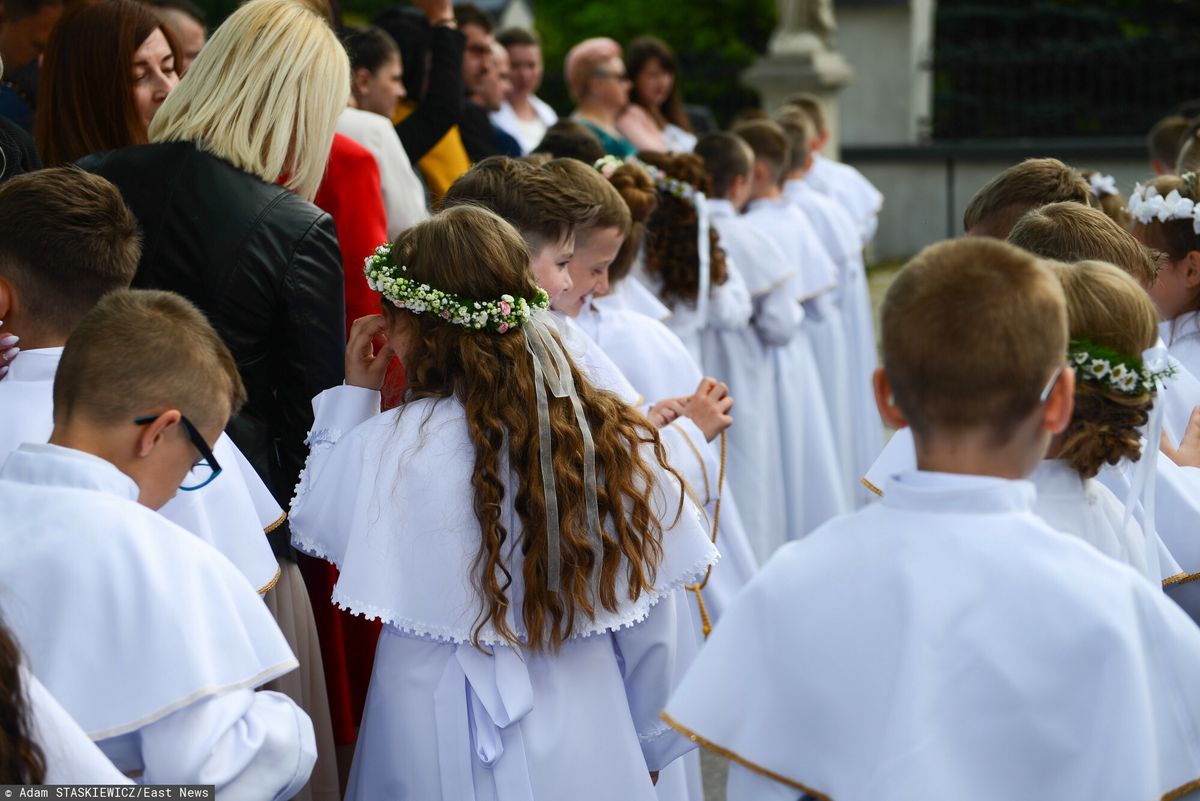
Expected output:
(839, 234)
(1093, 510)
(169, 624)
(679, 438)
(849, 187)
(816, 481)
(250, 745)
(633, 295)
(823, 324)
(528, 135)
(71, 756)
(403, 193)
(389, 504)
(230, 513)
(1087, 509)
(659, 367)
(951, 645)
(677, 139)
(729, 308)
(743, 359)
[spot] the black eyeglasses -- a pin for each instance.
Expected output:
(204, 471)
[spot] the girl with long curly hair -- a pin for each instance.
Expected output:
(518, 531)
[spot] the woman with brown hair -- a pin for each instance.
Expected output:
(654, 73)
(517, 530)
(108, 68)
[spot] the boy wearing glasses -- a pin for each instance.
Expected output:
(945, 643)
(68, 239)
(151, 639)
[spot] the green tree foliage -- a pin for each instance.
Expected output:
(715, 40)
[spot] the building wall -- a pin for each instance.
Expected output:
(918, 207)
(877, 106)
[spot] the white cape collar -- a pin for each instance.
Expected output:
(55, 466)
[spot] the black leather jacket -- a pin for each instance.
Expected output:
(263, 264)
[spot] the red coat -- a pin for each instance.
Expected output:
(350, 193)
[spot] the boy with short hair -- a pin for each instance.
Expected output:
(813, 426)
(838, 180)
(975, 645)
(838, 233)
(1164, 140)
(995, 208)
(69, 239)
(178, 638)
(746, 357)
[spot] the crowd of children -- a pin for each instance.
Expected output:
(606, 476)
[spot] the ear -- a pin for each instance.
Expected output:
(891, 414)
(362, 81)
(1158, 167)
(762, 173)
(1058, 408)
(1191, 269)
(151, 435)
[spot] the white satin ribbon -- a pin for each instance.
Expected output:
(1141, 484)
(552, 369)
(704, 253)
(480, 698)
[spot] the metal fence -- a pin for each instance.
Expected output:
(1062, 68)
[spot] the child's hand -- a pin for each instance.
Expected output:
(665, 412)
(364, 366)
(1188, 452)
(709, 408)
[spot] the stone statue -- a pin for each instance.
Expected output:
(804, 26)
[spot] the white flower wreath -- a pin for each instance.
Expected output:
(1146, 204)
(387, 278)
(1118, 373)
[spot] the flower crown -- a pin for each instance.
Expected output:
(387, 278)
(1110, 369)
(1146, 204)
(1103, 185)
(608, 165)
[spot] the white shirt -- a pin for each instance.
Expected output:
(528, 133)
(71, 757)
(850, 188)
(403, 193)
(972, 656)
(230, 513)
(160, 642)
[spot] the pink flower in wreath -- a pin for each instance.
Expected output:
(505, 308)
(502, 328)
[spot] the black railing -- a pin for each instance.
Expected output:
(1054, 68)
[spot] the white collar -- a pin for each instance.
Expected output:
(55, 466)
(768, 203)
(1056, 477)
(38, 364)
(719, 207)
(927, 491)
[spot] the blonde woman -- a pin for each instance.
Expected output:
(223, 193)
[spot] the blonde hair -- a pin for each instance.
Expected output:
(264, 94)
(142, 348)
(1107, 308)
(1070, 232)
(972, 329)
(995, 208)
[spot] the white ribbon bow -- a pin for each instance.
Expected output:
(552, 369)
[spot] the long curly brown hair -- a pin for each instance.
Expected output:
(21, 760)
(1106, 307)
(473, 253)
(672, 252)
